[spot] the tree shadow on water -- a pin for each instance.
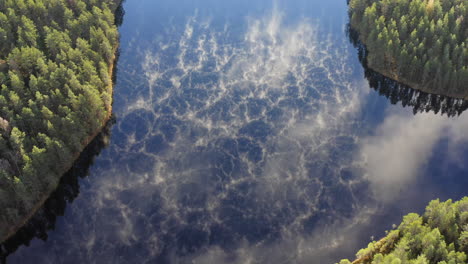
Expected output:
(397, 92)
(67, 191)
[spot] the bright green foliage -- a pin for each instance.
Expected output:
(439, 236)
(55, 57)
(420, 42)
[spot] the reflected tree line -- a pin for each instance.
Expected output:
(55, 58)
(68, 189)
(397, 92)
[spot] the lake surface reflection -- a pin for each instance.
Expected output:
(246, 132)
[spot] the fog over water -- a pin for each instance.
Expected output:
(246, 132)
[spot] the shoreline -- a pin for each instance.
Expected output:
(41, 201)
(393, 75)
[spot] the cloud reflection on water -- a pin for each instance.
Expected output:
(399, 150)
(296, 87)
(225, 144)
(240, 149)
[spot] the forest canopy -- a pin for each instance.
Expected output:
(56, 58)
(439, 236)
(422, 43)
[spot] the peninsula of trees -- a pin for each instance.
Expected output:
(439, 236)
(421, 43)
(56, 60)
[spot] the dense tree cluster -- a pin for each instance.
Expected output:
(422, 43)
(55, 92)
(67, 191)
(439, 236)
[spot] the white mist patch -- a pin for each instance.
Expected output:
(252, 133)
(234, 141)
(274, 51)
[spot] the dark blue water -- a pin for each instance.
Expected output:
(247, 132)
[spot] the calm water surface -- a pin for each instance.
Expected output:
(246, 132)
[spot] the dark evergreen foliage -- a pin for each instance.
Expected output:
(55, 92)
(439, 236)
(399, 93)
(68, 189)
(422, 43)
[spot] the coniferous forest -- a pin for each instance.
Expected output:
(243, 131)
(439, 236)
(56, 60)
(422, 43)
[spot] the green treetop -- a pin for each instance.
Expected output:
(439, 236)
(422, 43)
